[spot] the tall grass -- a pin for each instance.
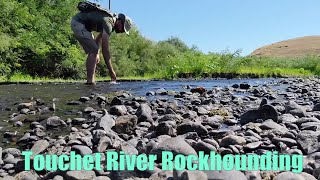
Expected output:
(232, 63)
(197, 65)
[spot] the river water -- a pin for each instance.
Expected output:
(60, 94)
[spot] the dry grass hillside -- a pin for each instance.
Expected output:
(295, 48)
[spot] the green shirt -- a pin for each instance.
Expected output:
(96, 21)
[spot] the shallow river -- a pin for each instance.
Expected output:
(60, 94)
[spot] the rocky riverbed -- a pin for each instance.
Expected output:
(199, 119)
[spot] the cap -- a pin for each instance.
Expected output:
(127, 22)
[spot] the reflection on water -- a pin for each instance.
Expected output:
(60, 94)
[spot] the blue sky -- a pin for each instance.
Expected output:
(216, 26)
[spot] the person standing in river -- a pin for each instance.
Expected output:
(84, 23)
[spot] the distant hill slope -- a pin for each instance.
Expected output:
(297, 47)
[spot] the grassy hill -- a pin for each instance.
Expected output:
(293, 48)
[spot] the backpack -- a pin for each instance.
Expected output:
(87, 6)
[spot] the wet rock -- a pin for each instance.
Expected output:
(232, 140)
(224, 151)
(101, 178)
(269, 124)
(263, 112)
(221, 133)
(58, 177)
(289, 142)
(225, 101)
(55, 121)
(235, 86)
(176, 145)
(88, 110)
(199, 90)
(253, 145)
(304, 120)
(84, 99)
(294, 151)
(140, 99)
(316, 107)
(202, 111)
(1, 161)
(214, 121)
(190, 115)
(230, 122)
(289, 135)
(39, 132)
(126, 124)
(8, 167)
(225, 175)
(24, 111)
(171, 117)
(251, 133)
(309, 141)
(103, 144)
(162, 91)
(77, 175)
(101, 99)
(74, 103)
(27, 138)
(289, 176)
(18, 124)
(244, 86)
(162, 175)
(25, 105)
(287, 118)
(78, 121)
(192, 127)
(82, 150)
(253, 175)
(13, 151)
(212, 142)
(39, 147)
(128, 148)
(97, 135)
(268, 112)
(9, 134)
(73, 129)
(26, 175)
(310, 126)
(87, 140)
(188, 175)
(116, 101)
(85, 126)
(105, 122)
(165, 128)
(144, 113)
(307, 176)
(150, 93)
(118, 110)
(20, 117)
(295, 109)
(205, 147)
(254, 127)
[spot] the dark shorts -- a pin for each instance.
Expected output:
(85, 38)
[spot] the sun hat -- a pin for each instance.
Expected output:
(127, 22)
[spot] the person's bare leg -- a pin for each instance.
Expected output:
(91, 67)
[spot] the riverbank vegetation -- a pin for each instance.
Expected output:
(36, 43)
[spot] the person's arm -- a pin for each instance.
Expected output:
(98, 41)
(107, 56)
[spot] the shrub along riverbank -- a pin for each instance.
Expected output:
(36, 43)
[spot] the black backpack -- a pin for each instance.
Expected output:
(87, 6)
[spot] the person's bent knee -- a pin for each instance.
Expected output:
(93, 54)
(91, 50)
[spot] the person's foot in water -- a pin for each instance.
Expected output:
(90, 83)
